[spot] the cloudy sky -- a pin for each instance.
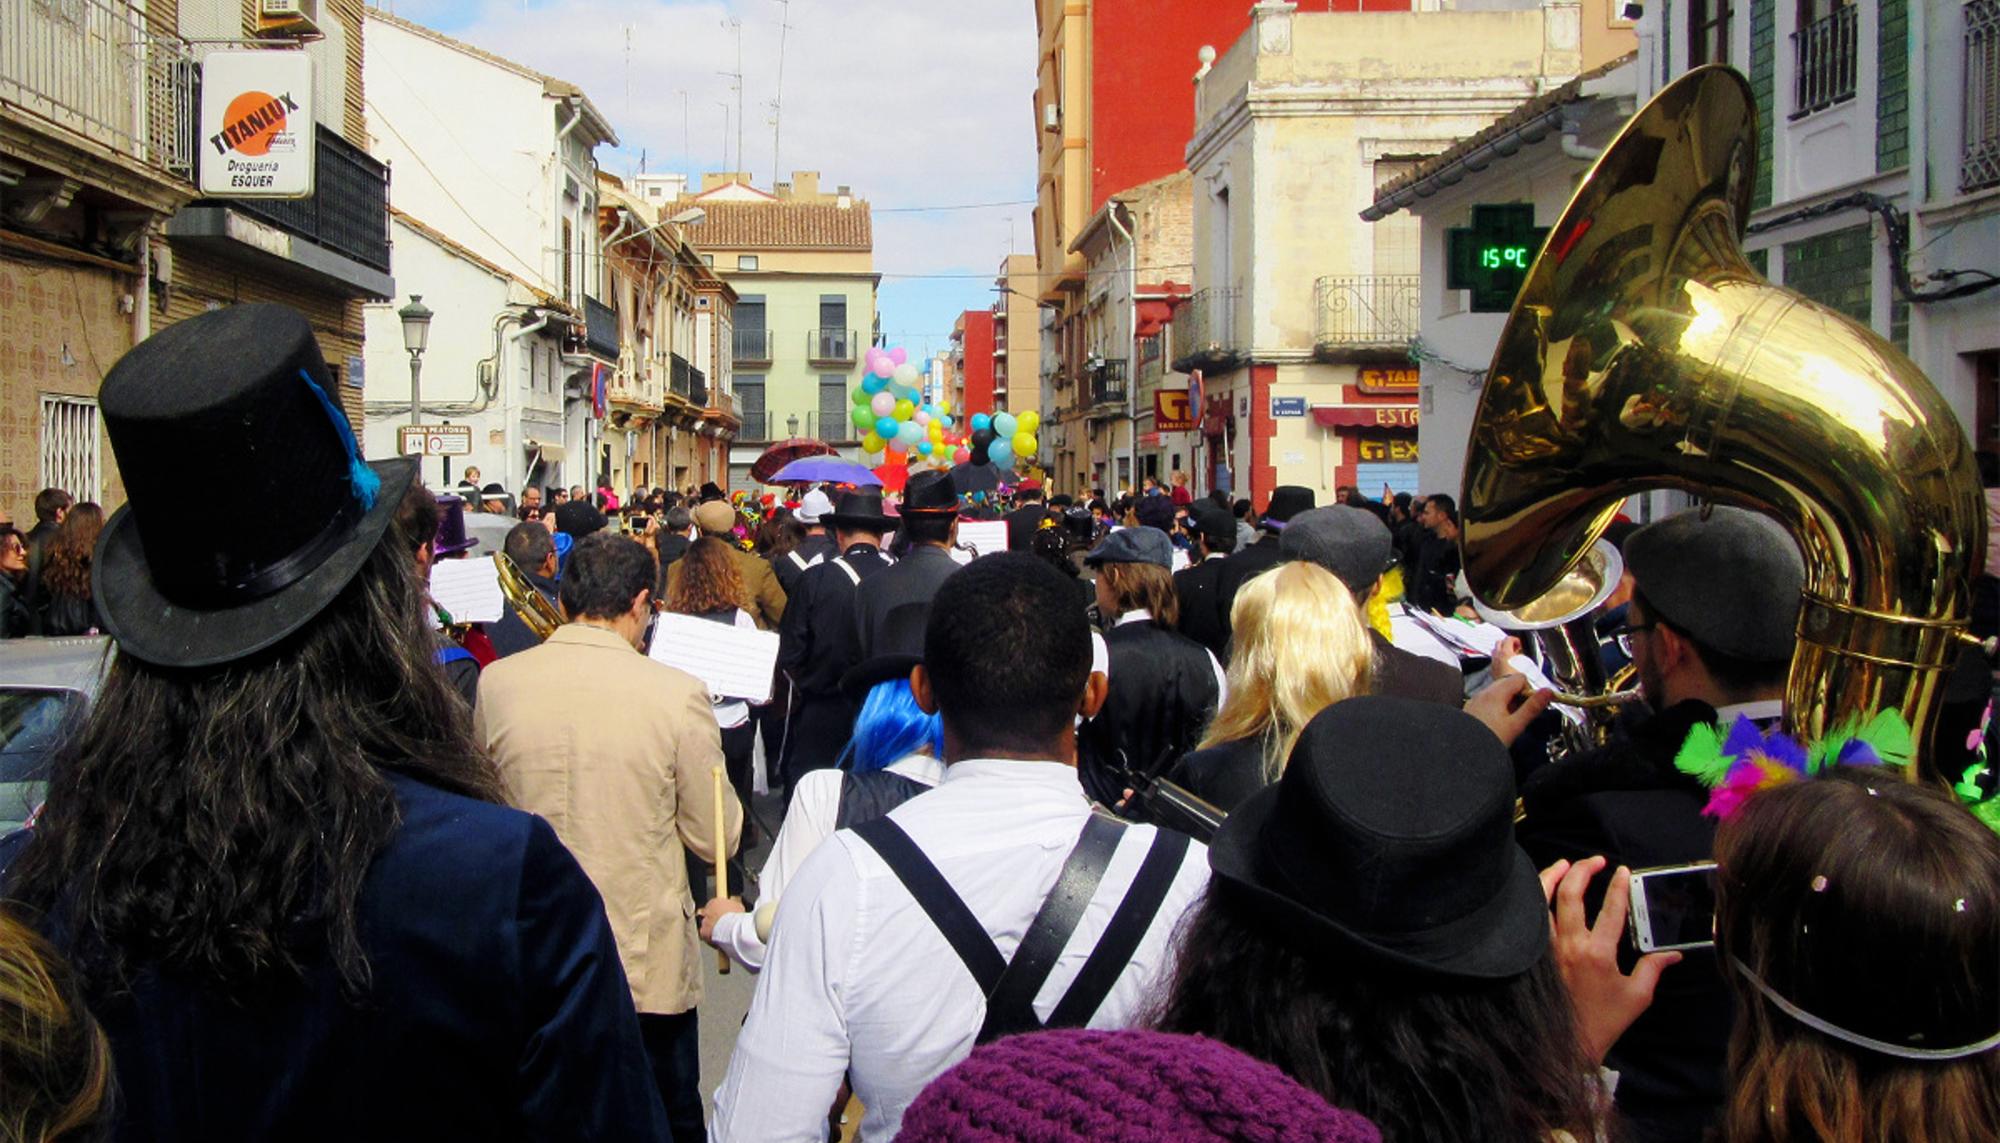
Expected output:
(912, 103)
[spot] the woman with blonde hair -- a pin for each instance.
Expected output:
(55, 1064)
(1300, 646)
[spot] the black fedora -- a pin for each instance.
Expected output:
(929, 492)
(899, 646)
(1287, 501)
(860, 511)
(1391, 835)
(236, 398)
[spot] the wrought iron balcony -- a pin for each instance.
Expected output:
(1825, 55)
(348, 212)
(1205, 332)
(753, 346)
(1107, 382)
(831, 346)
(93, 69)
(680, 379)
(697, 393)
(1365, 314)
(1980, 167)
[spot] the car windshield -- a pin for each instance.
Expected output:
(30, 720)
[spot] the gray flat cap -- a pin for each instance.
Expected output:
(1140, 545)
(1732, 581)
(1352, 543)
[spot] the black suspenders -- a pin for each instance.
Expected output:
(1010, 987)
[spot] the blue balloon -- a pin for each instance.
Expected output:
(947, 420)
(1003, 424)
(925, 446)
(980, 422)
(873, 384)
(1000, 453)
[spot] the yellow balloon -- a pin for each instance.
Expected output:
(903, 409)
(1027, 422)
(937, 431)
(944, 405)
(1025, 443)
(872, 443)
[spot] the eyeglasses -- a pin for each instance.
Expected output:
(1623, 635)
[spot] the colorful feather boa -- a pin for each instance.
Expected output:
(1745, 761)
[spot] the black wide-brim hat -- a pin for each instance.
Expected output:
(899, 649)
(860, 511)
(929, 492)
(236, 398)
(1391, 835)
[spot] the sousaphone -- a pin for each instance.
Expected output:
(1645, 352)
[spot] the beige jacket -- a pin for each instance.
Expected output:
(615, 750)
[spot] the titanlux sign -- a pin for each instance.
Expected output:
(256, 125)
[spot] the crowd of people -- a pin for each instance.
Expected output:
(1176, 819)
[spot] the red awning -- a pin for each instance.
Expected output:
(1366, 416)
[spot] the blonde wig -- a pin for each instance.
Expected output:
(1300, 645)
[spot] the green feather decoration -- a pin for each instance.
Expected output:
(1886, 734)
(1701, 756)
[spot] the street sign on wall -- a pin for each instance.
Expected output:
(1288, 406)
(256, 124)
(434, 440)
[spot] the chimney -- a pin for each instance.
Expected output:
(805, 186)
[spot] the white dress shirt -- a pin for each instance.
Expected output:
(858, 981)
(1757, 710)
(808, 821)
(1221, 678)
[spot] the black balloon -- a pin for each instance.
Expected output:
(980, 439)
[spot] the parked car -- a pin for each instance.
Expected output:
(43, 684)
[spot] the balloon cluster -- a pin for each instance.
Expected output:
(892, 417)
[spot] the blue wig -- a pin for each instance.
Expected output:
(891, 726)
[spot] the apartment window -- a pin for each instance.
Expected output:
(568, 257)
(1825, 54)
(833, 311)
(746, 261)
(750, 389)
(1981, 166)
(72, 452)
(833, 405)
(1708, 32)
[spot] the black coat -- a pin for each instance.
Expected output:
(793, 564)
(1162, 695)
(915, 579)
(1199, 589)
(1238, 568)
(1223, 775)
(817, 644)
(1023, 523)
(1437, 569)
(1628, 803)
(1406, 674)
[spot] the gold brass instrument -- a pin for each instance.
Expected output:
(1645, 352)
(532, 606)
(1562, 625)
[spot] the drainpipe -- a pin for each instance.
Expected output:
(1132, 348)
(1576, 150)
(142, 294)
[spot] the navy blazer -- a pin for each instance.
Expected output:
(498, 1009)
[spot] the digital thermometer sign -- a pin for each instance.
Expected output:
(1491, 257)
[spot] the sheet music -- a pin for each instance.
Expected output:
(1467, 638)
(1540, 682)
(984, 537)
(468, 589)
(734, 661)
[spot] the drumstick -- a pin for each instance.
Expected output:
(721, 855)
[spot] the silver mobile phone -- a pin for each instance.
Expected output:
(1673, 907)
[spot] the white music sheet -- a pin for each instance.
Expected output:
(984, 537)
(468, 589)
(729, 660)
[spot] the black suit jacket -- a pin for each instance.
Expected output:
(1406, 674)
(1238, 568)
(1199, 589)
(1223, 775)
(1627, 802)
(1023, 523)
(915, 579)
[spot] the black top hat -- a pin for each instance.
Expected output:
(711, 491)
(450, 538)
(1391, 834)
(1287, 501)
(238, 398)
(899, 646)
(860, 511)
(930, 491)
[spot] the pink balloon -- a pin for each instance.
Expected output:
(921, 417)
(884, 368)
(961, 456)
(883, 403)
(899, 355)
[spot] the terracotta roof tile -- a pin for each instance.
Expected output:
(783, 226)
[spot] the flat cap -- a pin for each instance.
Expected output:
(714, 517)
(1732, 581)
(1140, 545)
(1352, 543)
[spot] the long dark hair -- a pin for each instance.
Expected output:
(1874, 904)
(67, 563)
(1432, 1060)
(220, 820)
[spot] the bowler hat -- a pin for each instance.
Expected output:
(1391, 836)
(1215, 524)
(710, 491)
(1729, 578)
(898, 644)
(930, 492)
(450, 538)
(1352, 543)
(860, 511)
(578, 518)
(1287, 501)
(236, 398)
(1137, 545)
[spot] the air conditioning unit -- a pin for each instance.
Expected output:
(291, 19)
(1051, 117)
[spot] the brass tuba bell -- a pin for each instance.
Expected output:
(532, 606)
(1562, 625)
(1645, 352)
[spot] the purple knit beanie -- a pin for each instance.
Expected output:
(1133, 1085)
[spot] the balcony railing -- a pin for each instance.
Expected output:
(1205, 333)
(1824, 57)
(348, 212)
(1107, 382)
(93, 68)
(830, 346)
(1365, 312)
(830, 427)
(753, 347)
(1981, 166)
(680, 380)
(697, 393)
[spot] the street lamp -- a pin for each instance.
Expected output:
(416, 334)
(792, 425)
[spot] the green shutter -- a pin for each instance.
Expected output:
(1836, 270)
(1892, 90)
(1763, 70)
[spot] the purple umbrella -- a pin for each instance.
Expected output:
(824, 470)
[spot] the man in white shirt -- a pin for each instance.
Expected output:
(861, 979)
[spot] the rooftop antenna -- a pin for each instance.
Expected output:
(725, 135)
(687, 137)
(628, 72)
(778, 102)
(736, 81)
